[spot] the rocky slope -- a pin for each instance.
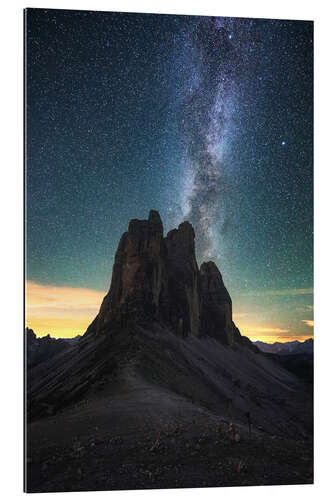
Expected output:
(40, 349)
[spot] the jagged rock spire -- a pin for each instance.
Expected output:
(157, 279)
(216, 305)
(138, 273)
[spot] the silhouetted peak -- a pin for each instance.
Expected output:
(154, 217)
(181, 240)
(158, 279)
(144, 228)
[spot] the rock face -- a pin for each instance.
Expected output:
(216, 305)
(183, 281)
(158, 279)
(139, 274)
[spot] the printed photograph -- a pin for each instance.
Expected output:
(168, 251)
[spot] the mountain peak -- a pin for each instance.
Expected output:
(158, 279)
(154, 216)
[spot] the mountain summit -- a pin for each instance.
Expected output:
(156, 278)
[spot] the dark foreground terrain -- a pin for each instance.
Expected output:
(181, 454)
(89, 450)
(180, 460)
(153, 428)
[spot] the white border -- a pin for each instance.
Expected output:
(11, 210)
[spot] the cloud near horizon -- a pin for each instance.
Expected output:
(308, 322)
(279, 292)
(271, 334)
(60, 311)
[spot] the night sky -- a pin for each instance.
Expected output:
(201, 118)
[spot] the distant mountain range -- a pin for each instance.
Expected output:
(40, 349)
(294, 347)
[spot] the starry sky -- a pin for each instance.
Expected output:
(208, 119)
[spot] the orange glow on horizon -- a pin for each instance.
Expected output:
(273, 334)
(60, 311)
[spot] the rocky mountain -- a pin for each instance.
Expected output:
(165, 328)
(158, 279)
(296, 357)
(284, 348)
(163, 377)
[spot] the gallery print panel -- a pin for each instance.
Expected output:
(169, 251)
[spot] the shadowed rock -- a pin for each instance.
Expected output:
(157, 278)
(216, 305)
(138, 274)
(183, 281)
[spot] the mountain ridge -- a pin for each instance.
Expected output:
(284, 348)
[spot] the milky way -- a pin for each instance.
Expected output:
(208, 114)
